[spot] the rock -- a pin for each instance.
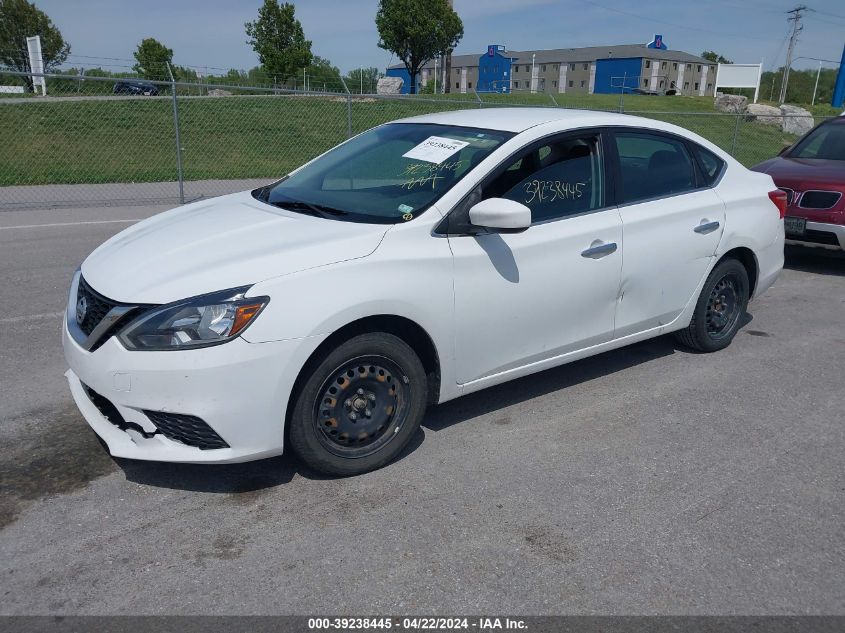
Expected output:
(389, 86)
(217, 92)
(796, 120)
(768, 115)
(735, 104)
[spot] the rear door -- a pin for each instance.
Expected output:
(672, 222)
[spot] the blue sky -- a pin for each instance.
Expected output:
(211, 32)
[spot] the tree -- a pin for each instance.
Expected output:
(417, 31)
(322, 75)
(715, 58)
(19, 20)
(278, 39)
(152, 59)
(363, 79)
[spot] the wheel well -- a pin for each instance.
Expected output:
(746, 257)
(409, 331)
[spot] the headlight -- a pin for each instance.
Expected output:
(197, 322)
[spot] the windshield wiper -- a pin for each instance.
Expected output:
(317, 210)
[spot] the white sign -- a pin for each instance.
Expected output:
(739, 76)
(36, 62)
(435, 149)
(11, 89)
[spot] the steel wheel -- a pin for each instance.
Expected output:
(361, 406)
(723, 307)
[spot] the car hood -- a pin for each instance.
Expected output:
(226, 242)
(810, 169)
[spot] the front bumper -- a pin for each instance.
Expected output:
(239, 389)
(820, 235)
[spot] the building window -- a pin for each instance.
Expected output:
(648, 63)
(709, 86)
(557, 67)
(571, 66)
(583, 83)
(571, 83)
(544, 68)
(516, 84)
(469, 85)
(686, 85)
(554, 83)
(663, 65)
(696, 85)
(675, 66)
(586, 66)
(699, 68)
(457, 85)
(645, 82)
(662, 83)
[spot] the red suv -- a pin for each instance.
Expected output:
(812, 173)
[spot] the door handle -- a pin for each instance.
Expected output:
(706, 227)
(597, 251)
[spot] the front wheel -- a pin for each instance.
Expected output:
(360, 405)
(719, 310)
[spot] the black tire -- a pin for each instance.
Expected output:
(360, 406)
(719, 310)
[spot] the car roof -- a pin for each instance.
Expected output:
(521, 119)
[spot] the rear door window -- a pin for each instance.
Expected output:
(653, 166)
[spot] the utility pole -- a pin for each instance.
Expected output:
(795, 17)
(447, 63)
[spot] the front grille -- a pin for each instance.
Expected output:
(816, 237)
(819, 199)
(187, 429)
(97, 307)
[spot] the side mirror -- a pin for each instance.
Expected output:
(783, 150)
(500, 215)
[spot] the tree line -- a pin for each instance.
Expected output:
(416, 31)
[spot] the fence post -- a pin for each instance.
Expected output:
(348, 109)
(478, 98)
(622, 93)
(178, 140)
(554, 101)
(736, 131)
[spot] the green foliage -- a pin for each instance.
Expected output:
(800, 87)
(152, 58)
(363, 80)
(20, 19)
(715, 57)
(278, 40)
(417, 31)
(322, 75)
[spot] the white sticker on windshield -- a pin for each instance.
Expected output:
(435, 149)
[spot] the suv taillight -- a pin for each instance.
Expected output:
(779, 199)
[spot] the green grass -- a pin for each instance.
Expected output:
(101, 141)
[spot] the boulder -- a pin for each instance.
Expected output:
(796, 120)
(389, 86)
(735, 104)
(768, 115)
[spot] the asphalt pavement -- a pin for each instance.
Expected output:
(648, 480)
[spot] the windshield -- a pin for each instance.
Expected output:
(389, 174)
(825, 142)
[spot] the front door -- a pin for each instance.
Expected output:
(527, 297)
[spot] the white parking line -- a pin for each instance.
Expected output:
(32, 317)
(42, 226)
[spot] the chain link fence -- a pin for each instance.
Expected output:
(95, 140)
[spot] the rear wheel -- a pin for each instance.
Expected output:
(719, 310)
(360, 405)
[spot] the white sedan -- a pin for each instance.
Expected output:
(417, 262)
